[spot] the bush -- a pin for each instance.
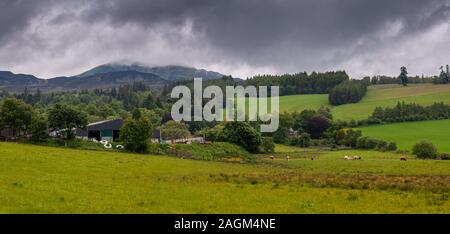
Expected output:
(317, 125)
(382, 145)
(371, 143)
(304, 140)
(267, 144)
(135, 134)
(366, 143)
(241, 133)
(156, 148)
(38, 128)
(348, 137)
(444, 156)
(392, 146)
(174, 130)
(213, 134)
(425, 150)
(214, 151)
(319, 142)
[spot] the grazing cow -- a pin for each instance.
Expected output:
(356, 157)
(288, 158)
(272, 157)
(347, 158)
(403, 159)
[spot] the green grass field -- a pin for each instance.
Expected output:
(409, 133)
(378, 95)
(38, 179)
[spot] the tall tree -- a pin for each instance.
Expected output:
(135, 134)
(64, 118)
(403, 76)
(15, 114)
(149, 102)
(444, 76)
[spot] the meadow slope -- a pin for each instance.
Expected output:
(36, 179)
(408, 133)
(377, 95)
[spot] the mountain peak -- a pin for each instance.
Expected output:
(167, 72)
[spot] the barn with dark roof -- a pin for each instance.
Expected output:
(104, 130)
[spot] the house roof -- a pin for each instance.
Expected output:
(115, 124)
(156, 134)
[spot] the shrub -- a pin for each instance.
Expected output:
(267, 144)
(304, 140)
(319, 142)
(392, 146)
(241, 133)
(361, 142)
(317, 125)
(135, 134)
(38, 128)
(348, 137)
(214, 151)
(214, 134)
(382, 145)
(425, 149)
(174, 130)
(444, 156)
(156, 148)
(372, 143)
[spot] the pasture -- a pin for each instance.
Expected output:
(377, 95)
(38, 179)
(408, 133)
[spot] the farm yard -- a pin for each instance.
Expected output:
(38, 179)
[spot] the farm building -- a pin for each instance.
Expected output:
(156, 136)
(6, 134)
(104, 130)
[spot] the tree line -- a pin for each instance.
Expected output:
(24, 121)
(443, 78)
(301, 83)
(98, 104)
(405, 112)
(290, 84)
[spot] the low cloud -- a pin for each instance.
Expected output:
(241, 38)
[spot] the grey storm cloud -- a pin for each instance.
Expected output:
(242, 38)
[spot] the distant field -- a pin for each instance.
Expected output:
(36, 179)
(378, 95)
(409, 133)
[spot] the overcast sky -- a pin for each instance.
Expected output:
(51, 38)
